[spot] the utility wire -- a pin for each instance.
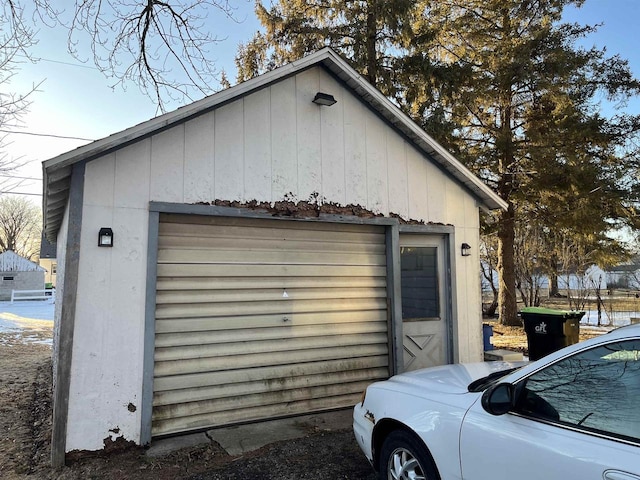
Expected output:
(21, 193)
(46, 135)
(21, 178)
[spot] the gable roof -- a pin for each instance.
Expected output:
(57, 170)
(10, 261)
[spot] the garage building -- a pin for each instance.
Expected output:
(264, 252)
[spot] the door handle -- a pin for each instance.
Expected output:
(618, 475)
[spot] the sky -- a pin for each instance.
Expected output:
(75, 100)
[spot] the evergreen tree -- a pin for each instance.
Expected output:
(522, 111)
(363, 31)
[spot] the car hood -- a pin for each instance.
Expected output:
(449, 379)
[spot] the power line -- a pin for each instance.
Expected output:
(21, 178)
(64, 137)
(22, 193)
(79, 65)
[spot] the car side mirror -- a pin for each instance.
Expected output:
(499, 399)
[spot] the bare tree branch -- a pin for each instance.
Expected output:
(20, 226)
(162, 46)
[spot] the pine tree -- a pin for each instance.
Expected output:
(522, 111)
(363, 31)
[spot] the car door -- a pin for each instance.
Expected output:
(578, 417)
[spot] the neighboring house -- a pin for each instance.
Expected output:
(48, 261)
(626, 275)
(18, 273)
(266, 253)
(594, 277)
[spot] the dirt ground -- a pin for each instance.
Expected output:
(25, 429)
(25, 432)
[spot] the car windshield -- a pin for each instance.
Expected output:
(481, 384)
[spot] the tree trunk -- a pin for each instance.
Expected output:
(372, 34)
(554, 291)
(507, 302)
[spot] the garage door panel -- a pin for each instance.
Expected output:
(260, 235)
(231, 270)
(282, 307)
(264, 257)
(196, 422)
(234, 362)
(253, 295)
(262, 346)
(263, 318)
(196, 225)
(361, 244)
(242, 283)
(170, 397)
(221, 337)
(257, 400)
(273, 374)
(213, 324)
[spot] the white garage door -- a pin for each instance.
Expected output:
(258, 319)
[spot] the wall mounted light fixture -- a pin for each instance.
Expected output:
(324, 99)
(105, 237)
(465, 249)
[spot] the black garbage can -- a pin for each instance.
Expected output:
(550, 330)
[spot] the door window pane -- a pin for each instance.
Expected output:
(419, 283)
(597, 390)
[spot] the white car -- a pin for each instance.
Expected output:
(574, 414)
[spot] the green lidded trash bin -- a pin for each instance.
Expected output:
(550, 330)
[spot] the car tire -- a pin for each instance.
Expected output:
(403, 457)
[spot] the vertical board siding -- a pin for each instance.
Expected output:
(275, 144)
(262, 318)
(355, 151)
(284, 172)
(199, 151)
(257, 146)
(167, 165)
(229, 152)
(308, 136)
(377, 172)
(332, 141)
(397, 174)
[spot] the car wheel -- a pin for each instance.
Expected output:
(403, 457)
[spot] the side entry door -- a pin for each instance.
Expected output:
(425, 288)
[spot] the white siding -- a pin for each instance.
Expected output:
(229, 152)
(284, 172)
(257, 165)
(199, 149)
(308, 142)
(355, 151)
(167, 165)
(270, 146)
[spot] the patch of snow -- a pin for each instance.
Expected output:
(27, 320)
(608, 319)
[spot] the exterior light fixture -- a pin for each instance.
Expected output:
(105, 237)
(324, 99)
(465, 249)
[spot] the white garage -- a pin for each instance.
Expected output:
(256, 254)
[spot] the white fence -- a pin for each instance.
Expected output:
(46, 294)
